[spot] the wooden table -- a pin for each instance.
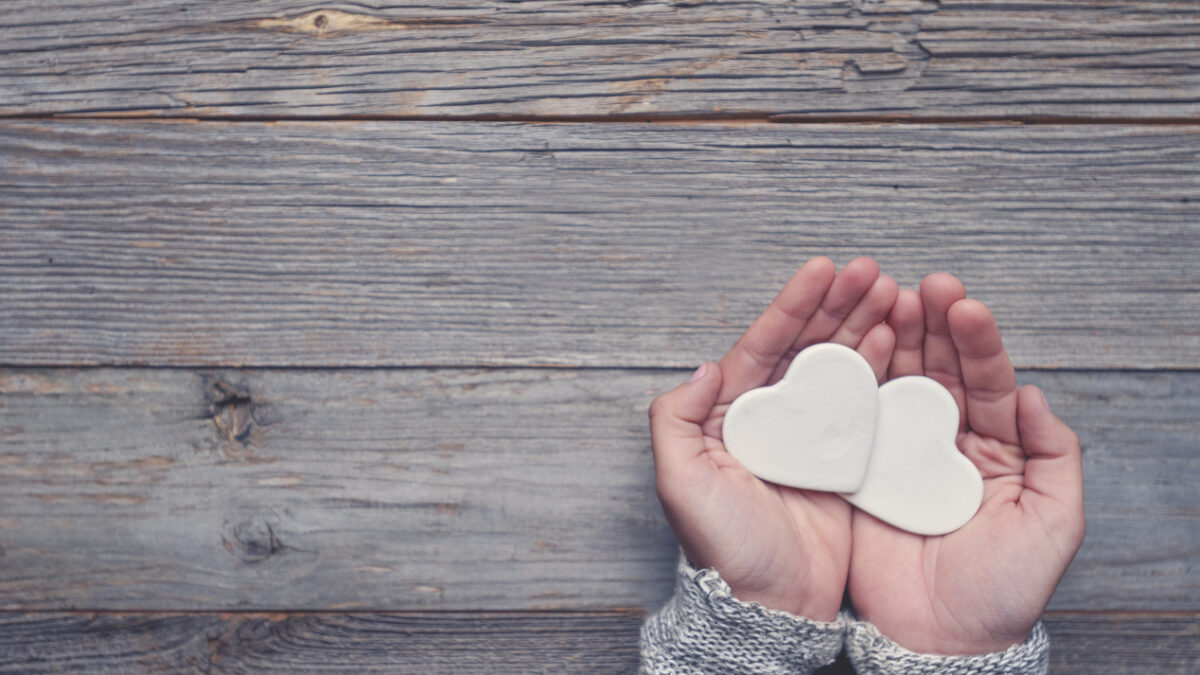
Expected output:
(327, 332)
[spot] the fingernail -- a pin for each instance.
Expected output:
(1045, 403)
(699, 373)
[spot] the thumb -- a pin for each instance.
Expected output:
(676, 417)
(1054, 468)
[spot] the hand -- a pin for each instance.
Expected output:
(983, 587)
(785, 548)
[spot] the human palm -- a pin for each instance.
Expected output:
(786, 548)
(983, 587)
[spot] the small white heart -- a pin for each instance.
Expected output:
(814, 428)
(917, 479)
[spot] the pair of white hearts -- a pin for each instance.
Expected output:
(889, 450)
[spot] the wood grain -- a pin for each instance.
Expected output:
(513, 642)
(881, 58)
(481, 642)
(274, 520)
(444, 244)
(1124, 643)
(165, 489)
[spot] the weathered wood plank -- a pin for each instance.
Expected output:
(477, 642)
(420, 244)
(1124, 643)
(491, 642)
(890, 58)
(458, 489)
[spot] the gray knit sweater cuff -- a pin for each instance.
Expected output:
(704, 629)
(872, 653)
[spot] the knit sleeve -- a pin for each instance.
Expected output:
(704, 629)
(872, 653)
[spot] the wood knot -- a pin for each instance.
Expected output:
(231, 409)
(252, 538)
(331, 22)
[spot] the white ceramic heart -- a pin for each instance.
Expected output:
(917, 480)
(814, 428)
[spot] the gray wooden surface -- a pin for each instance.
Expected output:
(416, 244)
(345, 368)
(513, 642)
(452, 642)
(818, 58)
(459, 489)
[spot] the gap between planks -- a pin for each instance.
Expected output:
(702, 118)
(551, 367)
(638, 613)
(630, 612)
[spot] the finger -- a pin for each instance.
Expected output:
(759, 350)
(676, 418)
(987, 373)
(851, 284)
(1055, 458)
(907, 319)
(870, 311)
(938, 292)
(876, 347)
(1055, 465)
(849, 292)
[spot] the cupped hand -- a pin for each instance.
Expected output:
(983, 587)
(785, 548)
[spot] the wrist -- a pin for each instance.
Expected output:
(954, 645)
(814, 608)
(871, 652)
(922, 638)
(784, 588)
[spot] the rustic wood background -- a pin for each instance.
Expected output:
(327, 331)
